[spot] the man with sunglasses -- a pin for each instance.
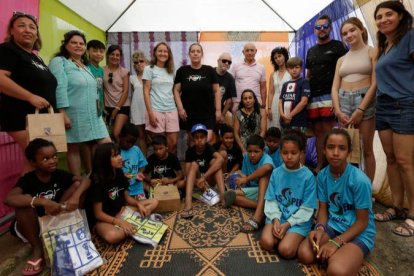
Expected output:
(320, 64)
(249, 75)
(226, 83)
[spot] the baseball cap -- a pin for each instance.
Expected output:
(199, 127)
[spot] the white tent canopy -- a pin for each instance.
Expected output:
(196, 15)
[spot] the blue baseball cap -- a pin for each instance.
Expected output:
(199, 127)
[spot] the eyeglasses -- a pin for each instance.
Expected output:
(322, 26)
(226, 61)
(139, 61)
(17, 14)
(110, 75)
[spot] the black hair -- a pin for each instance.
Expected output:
(225, 129)
(63, 52)
(256, 102)
(96, 44)
(338, 131)
(256, 140)
(102, 170)
(325, 17)
(113, 48)
(278, 50)
(159, 140)
(34, 146)
(273, 132)
(129, 129)
(296, 136)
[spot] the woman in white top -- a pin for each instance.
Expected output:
(158, 78)
(137, 102)
(278, 57)
(354, 88)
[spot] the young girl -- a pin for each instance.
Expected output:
(290, 199)
(345, 229)
(249, 119)
(110, 195)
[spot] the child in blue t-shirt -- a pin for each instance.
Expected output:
(252, 184)
(290, 199)
(345, 229)
(272, 138)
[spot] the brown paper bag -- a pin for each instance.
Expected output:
(49, 126)
(355, 155)
(168, 197)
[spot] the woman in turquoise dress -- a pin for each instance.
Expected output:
(76, 98)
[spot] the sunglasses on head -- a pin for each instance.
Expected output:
(17, 14)
(226, 61)
(110, 75)
(322, 26)
(139, 61)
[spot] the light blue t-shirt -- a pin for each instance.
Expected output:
(277, 159)
(161, 94)
(293, 189)
(395, 70)
(133, 160)
(248, 167)
(344, 196)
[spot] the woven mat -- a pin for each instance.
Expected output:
(209, 244)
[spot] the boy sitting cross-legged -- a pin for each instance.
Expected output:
(202, 166)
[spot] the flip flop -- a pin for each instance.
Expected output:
(37, 267)
(252, 226)
(187, 214)
(229, 198)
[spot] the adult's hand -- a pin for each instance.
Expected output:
(38, 102)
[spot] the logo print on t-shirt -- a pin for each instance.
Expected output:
(39, 65)
(287, 197)
(49, 194)
(335, 199)
(160, 170)
(201, 162)
(291, 87)
(230, 157)
(222, 90)
(114, 193)
(195, 78)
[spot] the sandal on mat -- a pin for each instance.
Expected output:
(391, 214)
(155, 217)
(229, 198)
(33, 267)
(250, 226)
(187, 214)
(404, 229)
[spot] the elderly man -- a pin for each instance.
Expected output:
(226, 83)
(320, 64)
(249, 75)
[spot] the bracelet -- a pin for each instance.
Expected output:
(341, 240)
(335, 243)
(363, 110)
(117, 108)
(320, 225)
(32, 202)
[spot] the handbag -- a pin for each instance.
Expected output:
(49, 126)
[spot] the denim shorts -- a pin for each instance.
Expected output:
(332, 233)
(395, 115)
(349, 101)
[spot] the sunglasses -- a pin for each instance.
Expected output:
(226, 61)
(139, 61)
(322, 26)
(17, 14)
(110, 75)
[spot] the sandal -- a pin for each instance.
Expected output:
(250, 226)
(404, 229)
(155, 217)
(33, 267)
(391, 214)
(229, 198)
(187, 214)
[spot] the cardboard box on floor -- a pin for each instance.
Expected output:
(168, 197)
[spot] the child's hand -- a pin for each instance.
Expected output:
(281, 231)
(202, 183)
(52, 208)
(128, 175)
(165, 181)
(154, 182)
(316, 237)
(140, 176)
(242, 180)
(72, 204)
(326, 251)
(142, 210)
(128, 228)
(276, 226)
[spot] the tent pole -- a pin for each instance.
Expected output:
(123, 12)
(273, 10)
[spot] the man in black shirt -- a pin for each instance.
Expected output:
(226, 83)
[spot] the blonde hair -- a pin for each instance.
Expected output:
(169, 64)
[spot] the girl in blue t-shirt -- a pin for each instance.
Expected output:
(345, 229)
(110, 195)
(290, 199)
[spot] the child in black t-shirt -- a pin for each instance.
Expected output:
(202, 165)
(229, 150)
(163, 167)
(45, 190)
(110, 194)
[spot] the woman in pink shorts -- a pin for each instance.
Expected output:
(158, 79)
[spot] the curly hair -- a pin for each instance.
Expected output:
(278, 50)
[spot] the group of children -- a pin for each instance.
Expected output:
(273, 181)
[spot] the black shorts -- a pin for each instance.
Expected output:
(124, 110)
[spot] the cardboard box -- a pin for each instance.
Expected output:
(169, 198)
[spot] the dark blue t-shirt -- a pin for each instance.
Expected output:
(291, 94)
